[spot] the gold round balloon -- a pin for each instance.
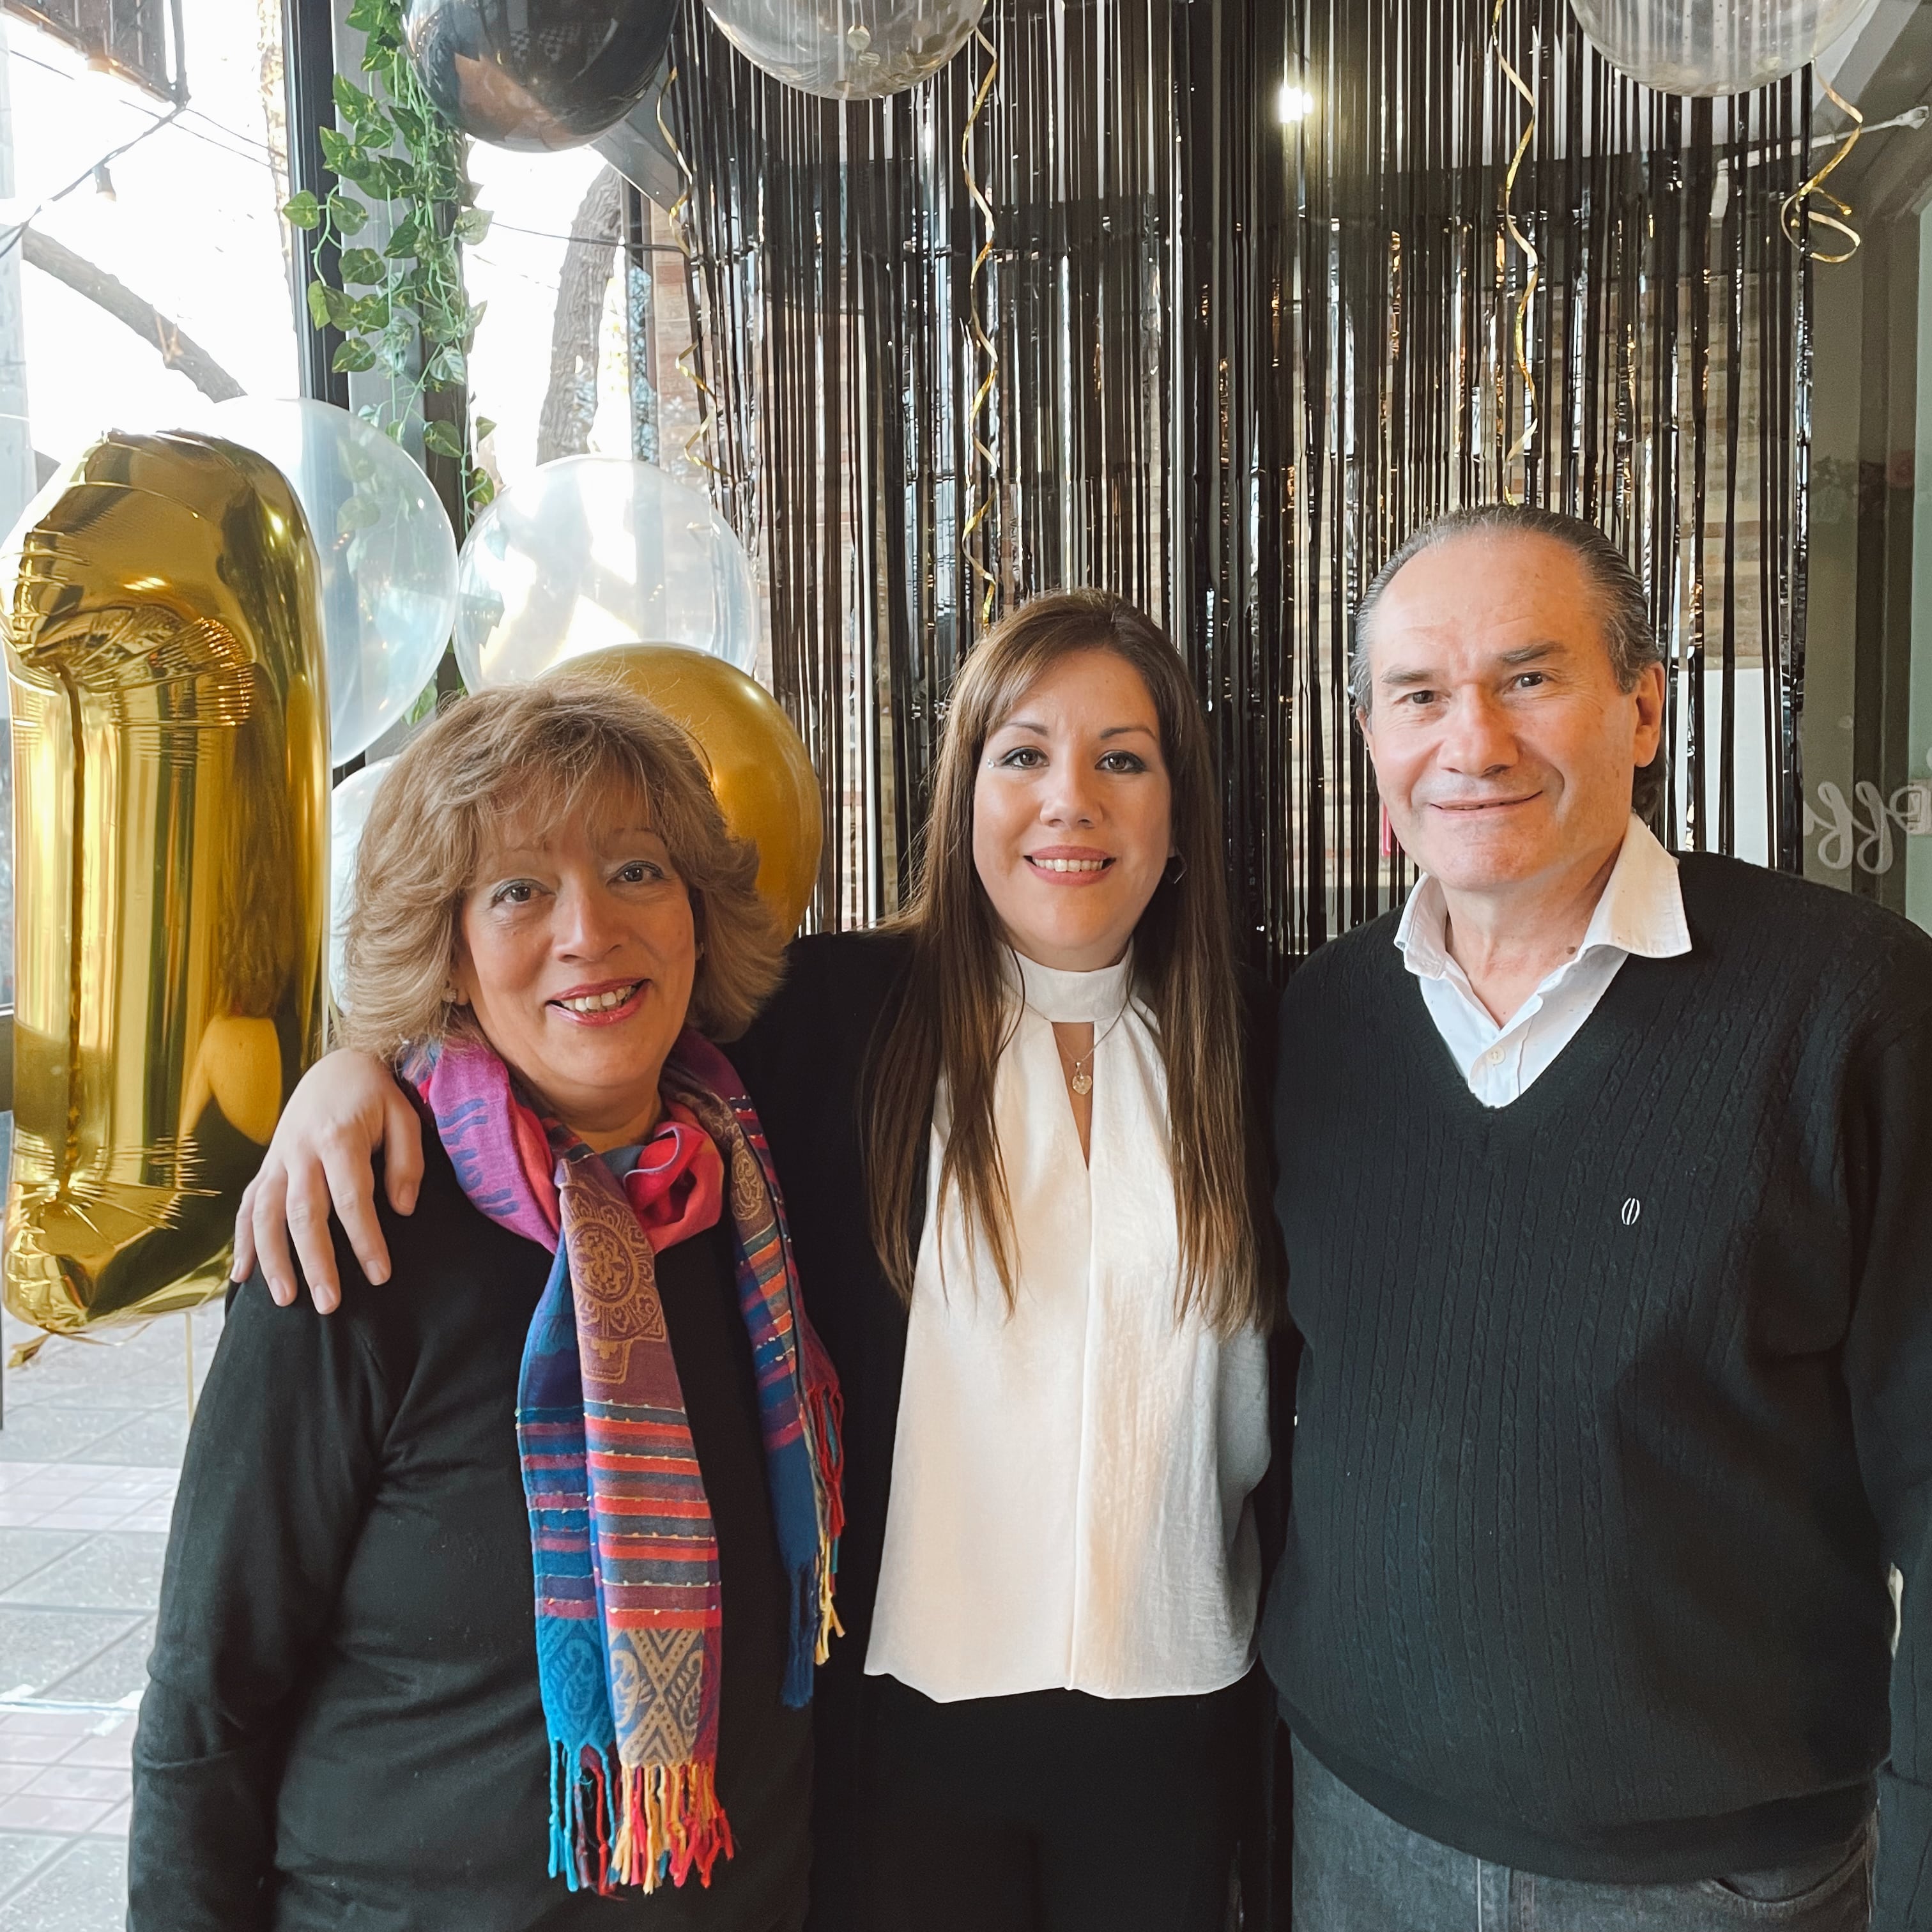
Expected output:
(764, 781)
(164, 657)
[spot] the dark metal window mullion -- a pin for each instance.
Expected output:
(308, 66)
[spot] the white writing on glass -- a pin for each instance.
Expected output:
(1849, 838)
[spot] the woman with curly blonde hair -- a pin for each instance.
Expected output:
(593, 1364)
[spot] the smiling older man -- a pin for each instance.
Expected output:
(1607, 1192)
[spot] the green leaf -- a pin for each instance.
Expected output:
(363, 265)
(383, 59)
(359, 105)
(376, 174)
(482, 489)
(442, 326)
(447, 365)
(441, 280)
(410, 126)
(472, 224)
(368, 312)
(356, 513)
(366, 16)
(353, 354)
(302, 211)
(347, 215)
(402, 243)
(365, 170)
(387, 176)
(440, 437)
(329, 308)
(485, 426)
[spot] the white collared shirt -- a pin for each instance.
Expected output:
(1642, 911)
(1070, 1479)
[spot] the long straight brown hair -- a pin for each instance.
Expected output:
(952, 1017)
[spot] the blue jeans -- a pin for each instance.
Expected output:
(1358, 1870)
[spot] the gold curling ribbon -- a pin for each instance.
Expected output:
(1520, 333)
(679, 215)
(983, 343)
(1798, 202)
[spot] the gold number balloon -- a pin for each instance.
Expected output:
(760, 774)
(164, 657)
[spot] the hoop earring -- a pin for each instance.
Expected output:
(1175, 871)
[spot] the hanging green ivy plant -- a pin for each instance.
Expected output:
(402, 308)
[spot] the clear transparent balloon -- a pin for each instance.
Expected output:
(849, 49)
(389, 556)
(591, 551)
(1713, 46)
(348, 805)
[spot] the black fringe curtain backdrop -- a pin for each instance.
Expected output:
(1245, 289)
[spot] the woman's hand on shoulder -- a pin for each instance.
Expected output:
(344, 1109)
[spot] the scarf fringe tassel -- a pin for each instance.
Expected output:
(667, 1820)
(824, 1410)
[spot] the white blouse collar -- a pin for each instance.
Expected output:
(1071, 997)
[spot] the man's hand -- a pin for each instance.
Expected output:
(344, 1109)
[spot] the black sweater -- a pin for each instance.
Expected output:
(343, 1727)
(1616, 1403)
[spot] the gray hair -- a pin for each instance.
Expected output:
(1622, 612)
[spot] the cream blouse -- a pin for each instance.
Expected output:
(1070, 1480)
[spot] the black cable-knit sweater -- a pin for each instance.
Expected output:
(1616, 1404)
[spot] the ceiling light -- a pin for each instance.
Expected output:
(1293, 103)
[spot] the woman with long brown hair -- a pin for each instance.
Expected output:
(1016, 1131)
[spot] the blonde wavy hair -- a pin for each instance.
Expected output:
(539, 753)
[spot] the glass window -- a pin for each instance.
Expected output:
(1868, 733)
(144, 269)
(144, 275)
(583, 346)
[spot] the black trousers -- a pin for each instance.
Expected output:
(1058, 1812)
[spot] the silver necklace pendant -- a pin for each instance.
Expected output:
(1082, 1083)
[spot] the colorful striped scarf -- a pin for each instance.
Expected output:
(628, 1608)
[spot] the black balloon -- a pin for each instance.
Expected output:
(533, 74)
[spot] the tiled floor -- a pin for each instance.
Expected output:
(93, 1437)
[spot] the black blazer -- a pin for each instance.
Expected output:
(804, 1062)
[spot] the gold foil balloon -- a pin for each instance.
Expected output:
(759, 769)
(164, 655)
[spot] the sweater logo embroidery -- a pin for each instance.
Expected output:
(1633, 1207)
